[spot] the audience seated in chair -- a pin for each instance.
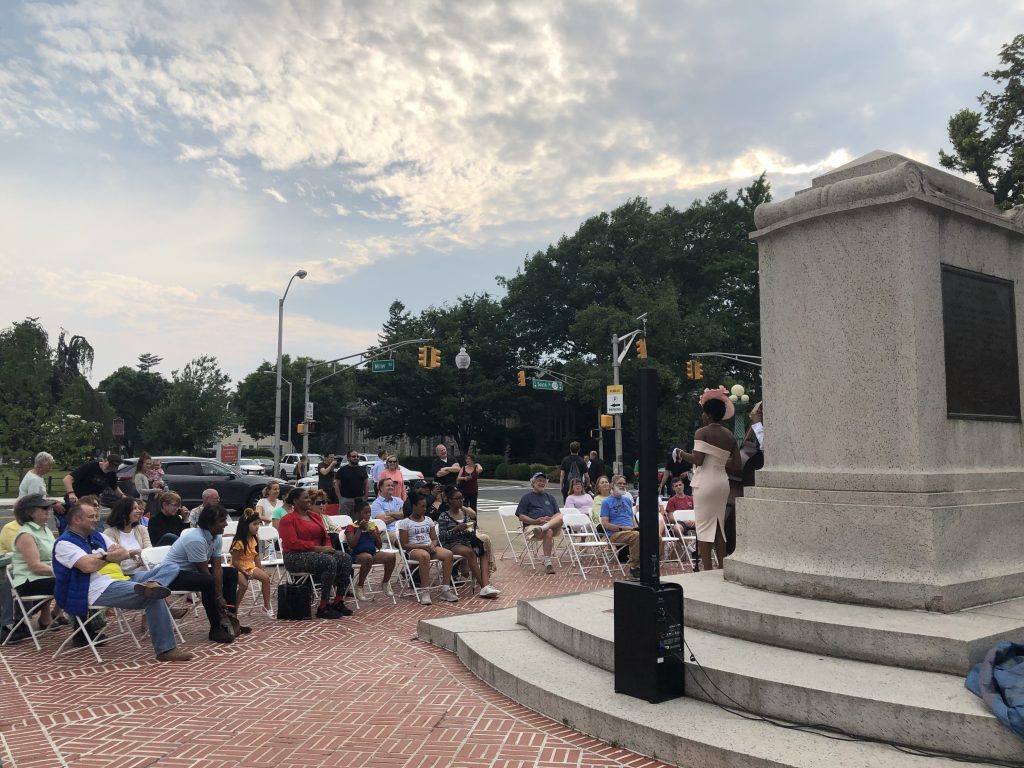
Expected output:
(83, 561)
(32, 558)
(456, 533)
(198, 555)
(245, 558)
(419, 542)
(307, 549)
(541, 517)
(167, 524)
(364, 541)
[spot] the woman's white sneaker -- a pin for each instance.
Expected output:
(489, 591)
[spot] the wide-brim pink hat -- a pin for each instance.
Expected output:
(719, 394)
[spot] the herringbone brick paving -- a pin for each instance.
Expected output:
(359, 691)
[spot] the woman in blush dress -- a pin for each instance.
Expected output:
(714, 453)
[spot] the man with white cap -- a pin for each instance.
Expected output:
(541, 517)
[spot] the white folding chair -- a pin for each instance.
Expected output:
(584, 543)
(229, 529)
(26, 607)
(686, 516)
(151, 558)
(271, 555)
(80, 627)
(514, 534)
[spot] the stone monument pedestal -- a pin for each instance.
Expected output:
(893, 435)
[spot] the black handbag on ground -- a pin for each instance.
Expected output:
(293, 601)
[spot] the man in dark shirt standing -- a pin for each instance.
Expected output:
(351, 482)
(445, 472)
(325, 477)
(573, 468)
(596, 468)
(541, 517)
(92, 479)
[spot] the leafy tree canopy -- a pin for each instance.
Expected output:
(990, 144)
(194, 413)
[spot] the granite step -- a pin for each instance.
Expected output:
(928, 710)
(936, 642)
(683, 732)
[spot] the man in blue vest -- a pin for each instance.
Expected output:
(81, 557)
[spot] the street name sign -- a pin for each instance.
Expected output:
(615, 402)
(553, 386)
(382, 366)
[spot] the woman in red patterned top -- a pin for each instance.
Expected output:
(307, 549)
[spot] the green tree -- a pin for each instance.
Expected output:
(990, 144)
(469, 405)
(194, 413)
(693, 272)
(133, 394)
(25, 395)
(254, 401)
(70, 438)
(149, 361)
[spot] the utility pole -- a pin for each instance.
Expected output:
(616, 361)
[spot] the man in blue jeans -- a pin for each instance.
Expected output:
(79, 556)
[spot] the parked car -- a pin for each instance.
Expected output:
(408, 476)
(290, 460)
(252, 467)
(189, 476)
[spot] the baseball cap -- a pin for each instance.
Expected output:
(538, 474)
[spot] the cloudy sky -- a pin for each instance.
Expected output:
(167, 165)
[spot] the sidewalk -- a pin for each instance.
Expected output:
(359, 691)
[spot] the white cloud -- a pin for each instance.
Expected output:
(222, 169)
(275, 194)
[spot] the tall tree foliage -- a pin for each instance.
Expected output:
(468, 405)
(133, 394)
(254, 400)
(45, 387)
(693, 272)
(194, 413)
(990, 144)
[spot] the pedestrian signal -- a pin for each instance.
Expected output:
(689, 369)
(641, 348)
(521, 378)
(607, 421)
(311, 427)
(435, 358)
(300, 428)
(424, 352)
(698, 370)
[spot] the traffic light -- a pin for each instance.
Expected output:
(641, 348)
(689, 369)
(311, 427)
(698, 370)
(607, 421)
(424, 352)
(435, 358)
(300, 428)
(521, 378)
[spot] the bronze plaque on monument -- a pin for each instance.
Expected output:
(980, 328)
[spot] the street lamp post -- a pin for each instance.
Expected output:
(462, 361)
(740, 398)
(301, 274)
(290, 422)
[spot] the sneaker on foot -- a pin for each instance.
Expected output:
(361, 595)
(489, 591)
(448, 596)
(388, 590)
(327, 613)
(534, 532)
(151, 590)
(174, 654)
(220, 635)
(425, 599)
(341, 608)
(549, 567)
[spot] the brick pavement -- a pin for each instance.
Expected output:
(359, 691)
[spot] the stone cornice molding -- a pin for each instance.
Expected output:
(905, 180)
